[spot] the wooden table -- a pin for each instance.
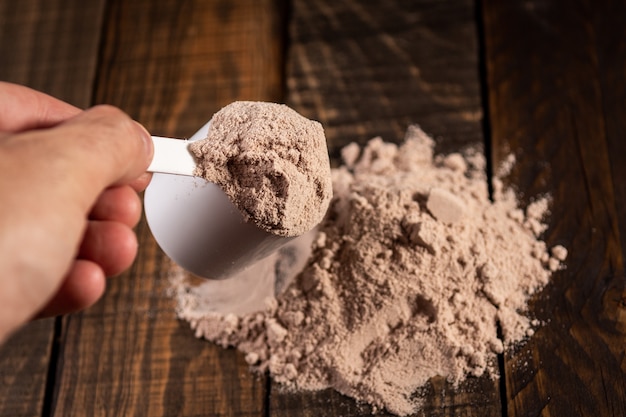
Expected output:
(541, 79)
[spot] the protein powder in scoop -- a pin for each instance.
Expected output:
(271, 162)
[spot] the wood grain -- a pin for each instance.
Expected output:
(39, 47)
(557, 100)
(185, 60)
(372, 68)
(24, 360)
(169, 64)
(51, 46)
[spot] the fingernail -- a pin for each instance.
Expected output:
(147, 139)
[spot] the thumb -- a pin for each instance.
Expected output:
(108, 146)
(90, 152)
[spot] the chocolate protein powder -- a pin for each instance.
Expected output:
(412, 273)
(271, 162)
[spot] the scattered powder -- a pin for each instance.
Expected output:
(271, 162)
(411, 273)
(506, 166)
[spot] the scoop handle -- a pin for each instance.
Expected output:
(172, 156)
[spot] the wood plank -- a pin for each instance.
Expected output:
(369, 69)
(24, 360)
(372, 68)
(557, 100)
(51, 46)
(39, 48)
(170, 64)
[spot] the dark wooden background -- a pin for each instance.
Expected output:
(542, 79)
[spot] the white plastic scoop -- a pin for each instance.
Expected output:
(172, 156)
(194, 222)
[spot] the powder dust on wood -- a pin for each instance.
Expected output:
(411, 273)
(271, 162)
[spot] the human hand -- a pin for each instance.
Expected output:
(68, 192)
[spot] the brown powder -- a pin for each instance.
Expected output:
(411, 272)
(271, 162)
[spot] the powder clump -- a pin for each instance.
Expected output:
(271, 162)
(398, 288)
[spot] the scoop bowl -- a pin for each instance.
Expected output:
(197, 225)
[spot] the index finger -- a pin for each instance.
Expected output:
(23, 108)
